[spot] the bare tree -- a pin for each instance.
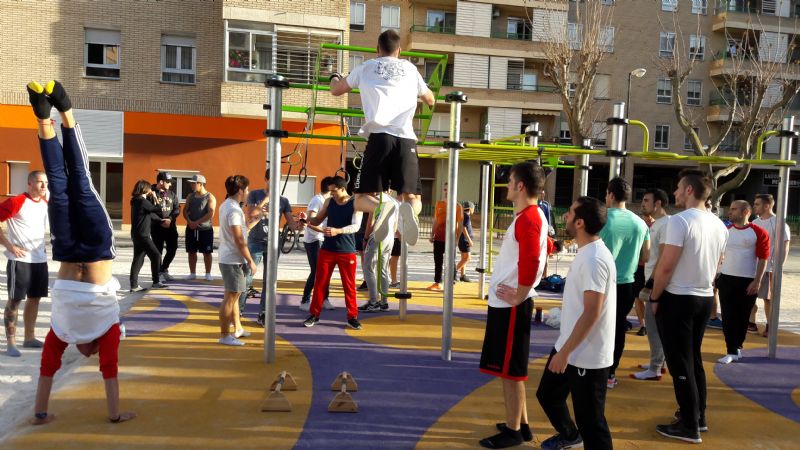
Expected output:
(575, 39)
(754, 87)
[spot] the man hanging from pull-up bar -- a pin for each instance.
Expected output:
(389, 90)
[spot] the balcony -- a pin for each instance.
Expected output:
(545, 98)
(439, 39)
(726, 65)
(749, 15)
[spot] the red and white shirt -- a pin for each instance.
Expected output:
(522, 256)
(26, 223)
(746, 245)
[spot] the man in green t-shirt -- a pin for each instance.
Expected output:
(626, 235)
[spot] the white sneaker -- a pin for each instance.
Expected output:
(165, 276)
(208, 277)
(326, 304)
(230, 340)
(738, 354)
(410, 221)
(305, 306)
(241, 333)
(191, 277)
(727, 359)
(380, 229)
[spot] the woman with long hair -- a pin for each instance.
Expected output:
(144, 210)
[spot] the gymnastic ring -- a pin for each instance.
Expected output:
(302, 175)
(298, 161)
(357, 160)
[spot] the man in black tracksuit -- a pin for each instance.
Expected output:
(166, 232)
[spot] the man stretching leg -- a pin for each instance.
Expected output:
(85, 311)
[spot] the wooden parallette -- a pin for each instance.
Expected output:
(277, 401)
(343, 402)
(347, 379)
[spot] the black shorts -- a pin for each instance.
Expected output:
(26, 280)
(359, 241)
(389, 162)
(504, 356)
(463, 247)
(200, 240)
(397, 250)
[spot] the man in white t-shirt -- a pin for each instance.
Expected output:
(654, 203)
(584, 352)
(762, 207)
(682, 299)
(741, 274)
(234, 258)
(389, 90)
(312, 241)
(25, 216)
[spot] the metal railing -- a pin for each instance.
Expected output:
(500, 34)
(531, 88)
(440, 29)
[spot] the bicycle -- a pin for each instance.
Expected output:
(289, 239)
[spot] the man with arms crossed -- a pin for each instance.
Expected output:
(389, 90)
(762, 207)
(198, 212)
(507, 341)
(682, 298)
(26, 220)
(579, 362)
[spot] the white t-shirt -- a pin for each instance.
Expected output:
(26, 221)
(702, 237)
(230, 214)
(745, 247)
(315, 205)
(592, 269)
(658, 231)
(770, 225)
(82, 312)
(389, 91)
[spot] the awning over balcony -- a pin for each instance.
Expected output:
(541, 112)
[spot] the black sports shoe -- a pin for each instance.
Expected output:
(558, 442)
(677, 431)
(702, 426)
(369, 307)
(524, 429)
(260, 320)
(352, 323)
(57, 96)
(158, 285)
(384, 305)
(504, 439)
(252, 292)
(363, 286)
(41, 107)
(311, 321)
(642, 331)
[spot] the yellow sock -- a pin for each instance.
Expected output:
(48, 88)
(35, 87)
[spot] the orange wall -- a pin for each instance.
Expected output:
(18, 142)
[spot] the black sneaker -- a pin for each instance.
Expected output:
(363, 286)
(677, 431)
(464, 279)
(504, 439)
(702, 426)
(524, 429)
(252, 292)
(369, 307)
(384, 306)
(311, 321)
(351, 323)
(159, 285)
(260, 320)
(558, 442)
(642, 331)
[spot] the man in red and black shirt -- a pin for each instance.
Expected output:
(519, 267)
(742, 270)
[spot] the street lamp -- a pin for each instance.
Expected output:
(638, 73)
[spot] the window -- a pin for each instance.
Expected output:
(666, 44)
(599, 133)
(564, 136)
(664, 91)
(178, 56)
(390, 17)
(354, 123)
(602, 86)
(298, 49)
(699, 6)
(180, 182)
(669, 5)
(440, 22)
(607, 2)
(448, 72)
(606, 39)
(694, 92)
(251, 53)
(355, 61)
(662, 137)
(574, 32)
(517, 28)
(358, 11)
(697, 46)
(572, 89)
(514, 71)
(101, 57)
(687, 143)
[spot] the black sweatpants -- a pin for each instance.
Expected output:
(736, 306)
(142, 247)
(588, 389)
(438, 260)
(165, 237)
(625, 297)
(682, 323)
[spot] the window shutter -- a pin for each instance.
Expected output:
(102, 130)
(549, 25)
(473, 19)
(471, 71)
(498, 71)
(108, 37)
(505, 122)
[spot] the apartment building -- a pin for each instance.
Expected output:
(496, 57)
(172, 85)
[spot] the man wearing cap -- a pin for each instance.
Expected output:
(465, 239)
(167, 231)
(198, 212)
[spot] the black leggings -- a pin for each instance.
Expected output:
(736, 305)
(141, 247)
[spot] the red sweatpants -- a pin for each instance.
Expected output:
(108, 345)
(326, 261)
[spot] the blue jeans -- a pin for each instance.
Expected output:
(257, 250)
(80, 229)
(312, 250)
